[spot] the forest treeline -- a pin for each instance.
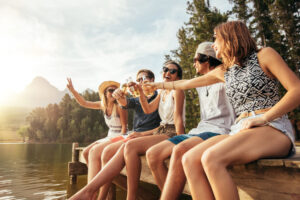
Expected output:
(273, 23)
(66, 122)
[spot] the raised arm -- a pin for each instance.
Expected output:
(214, 76)
(148, 107)
(123, 118)
(178, 111)
(274, 65)
(80, 100)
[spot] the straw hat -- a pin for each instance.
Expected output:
(105, 85)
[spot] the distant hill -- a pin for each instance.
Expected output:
(38, 93)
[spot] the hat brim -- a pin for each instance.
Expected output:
(105, 85)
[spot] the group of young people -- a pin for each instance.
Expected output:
(243, 119)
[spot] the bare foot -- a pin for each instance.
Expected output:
(83, 194)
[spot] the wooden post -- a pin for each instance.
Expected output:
(75, 158)
(111, 193)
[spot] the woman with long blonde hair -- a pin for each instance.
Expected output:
(262, 128)
(115, 118)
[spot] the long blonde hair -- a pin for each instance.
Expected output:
(236, 42)
(104, 103)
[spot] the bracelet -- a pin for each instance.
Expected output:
(173, 85)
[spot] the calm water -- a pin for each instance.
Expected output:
(36, 171)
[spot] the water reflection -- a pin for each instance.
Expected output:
(34, 171)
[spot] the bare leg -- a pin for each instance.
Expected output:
(108, 172)
(176, 173)
(86, 151)
(94, 164)
(107, 154)
(156, 155)
(244, 147)
(191, 162)
(133, 149)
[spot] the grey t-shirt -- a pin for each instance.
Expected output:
(216, 112)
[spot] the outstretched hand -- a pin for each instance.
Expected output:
(118, 93)
(153, 85)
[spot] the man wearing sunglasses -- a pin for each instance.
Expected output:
(141, 122)
(216, 118)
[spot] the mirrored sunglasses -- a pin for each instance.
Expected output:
(142, 79)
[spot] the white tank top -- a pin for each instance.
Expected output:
(166, 108)
(114, 125)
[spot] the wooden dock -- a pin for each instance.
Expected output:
(265, 179)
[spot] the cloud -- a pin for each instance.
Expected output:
(90, 41)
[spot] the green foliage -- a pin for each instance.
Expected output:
(198, 29)
(66, 122)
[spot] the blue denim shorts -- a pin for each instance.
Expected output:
(204, 136)
(282, 124)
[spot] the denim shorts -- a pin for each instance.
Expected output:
(180, 138)
(282, 124)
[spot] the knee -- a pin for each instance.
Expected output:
(85, 154)
(152, 157)
(178, 151)
(107, 154)
(129, 149)
(211, 160)
(191, 162)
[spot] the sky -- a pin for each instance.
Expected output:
(89, 41)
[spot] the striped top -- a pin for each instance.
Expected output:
(114, 124)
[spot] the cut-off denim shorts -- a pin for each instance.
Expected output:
(180, 138)
(282, 124)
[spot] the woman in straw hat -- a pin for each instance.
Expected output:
(115, 118)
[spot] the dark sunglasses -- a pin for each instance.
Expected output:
(201, 58)
(172, 71)
(110, 90)
(142, 79)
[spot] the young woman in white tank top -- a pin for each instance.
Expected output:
(115, 118)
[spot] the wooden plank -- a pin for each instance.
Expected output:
(144, 192)
(77, 168)
(263, 179)
(270, 162)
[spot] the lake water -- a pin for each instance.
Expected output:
(36, 171)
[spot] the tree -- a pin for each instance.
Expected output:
(198, 29)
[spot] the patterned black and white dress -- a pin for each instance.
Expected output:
(249, 88)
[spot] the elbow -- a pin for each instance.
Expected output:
(146, 111)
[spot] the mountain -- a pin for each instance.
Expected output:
(39, 93)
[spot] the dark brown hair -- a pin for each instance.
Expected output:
(149, 73)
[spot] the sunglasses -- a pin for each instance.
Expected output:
(201, 58)
(142, 79)
(172, 71)
(110, 90)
